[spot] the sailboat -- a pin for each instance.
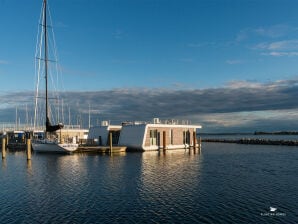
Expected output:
(48, 142)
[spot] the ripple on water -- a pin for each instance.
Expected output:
(224, 184)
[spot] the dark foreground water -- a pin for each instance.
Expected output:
(226, 183)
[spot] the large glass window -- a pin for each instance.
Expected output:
(153, 137)
(171, 137)
(186, 137)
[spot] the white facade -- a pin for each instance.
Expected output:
(100, 134)
(132, 136)
(157, 136)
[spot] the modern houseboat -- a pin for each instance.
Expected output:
(103, 139)
(99, 135)
(144, 136)
(169, 134)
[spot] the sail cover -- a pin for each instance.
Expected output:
(52, 128)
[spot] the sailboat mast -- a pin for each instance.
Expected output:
(46, 52)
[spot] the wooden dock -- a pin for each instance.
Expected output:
(100, 149)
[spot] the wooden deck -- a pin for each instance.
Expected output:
(101, 149)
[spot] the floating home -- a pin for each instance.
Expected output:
(158, 135)
(144, 136)
(99, 135)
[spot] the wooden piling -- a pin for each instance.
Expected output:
(111, 142)
(3, 147)
(164, 141)
(28, 149)
(7, 140)
(194, 140)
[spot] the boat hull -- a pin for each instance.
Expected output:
(54, 147)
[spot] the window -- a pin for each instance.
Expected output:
(171, 137)
(186, 137)
(153, 137)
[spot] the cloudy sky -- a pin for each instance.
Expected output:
(229, 65)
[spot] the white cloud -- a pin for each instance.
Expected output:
(275, 31)
(280, 54)
(278, 48)
(269, 120)
(286, 45)
(272, 32)
(196, 45)
(243, 84)
(188, 60)
(272, 40)
(235, 61)
(202, 44)
(3, 62)
(118, 34)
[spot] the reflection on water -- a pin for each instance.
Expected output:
(225, 183)
(3, 163)
(29, 167)
(169, 172)
(168, 184)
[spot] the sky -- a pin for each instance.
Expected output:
(229, 65)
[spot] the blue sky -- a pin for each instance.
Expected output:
(172, 45)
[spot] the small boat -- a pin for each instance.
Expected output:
(16, 140)
(49, 142)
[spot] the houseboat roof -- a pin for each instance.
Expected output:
(163, 123)
(166, 125)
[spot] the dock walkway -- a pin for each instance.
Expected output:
(100, 149)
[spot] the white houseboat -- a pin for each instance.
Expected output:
(99, 135)
(169, 134)
(144, 136)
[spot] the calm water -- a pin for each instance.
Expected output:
(226, 183)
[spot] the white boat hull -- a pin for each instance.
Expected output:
(55, 147)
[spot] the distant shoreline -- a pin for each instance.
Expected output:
(255, 141)
(276, 133)
(256, 133)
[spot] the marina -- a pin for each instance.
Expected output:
(50, 134)
(160, 112)
(129, 136)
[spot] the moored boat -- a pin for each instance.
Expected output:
(49, 142)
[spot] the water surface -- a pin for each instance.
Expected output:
(225, 183)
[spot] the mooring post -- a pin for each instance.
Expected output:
(164, 141)
(111, 142)
(194, 140)
(3, 147)
(200, 144)
(7, 140)
(28, 149)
